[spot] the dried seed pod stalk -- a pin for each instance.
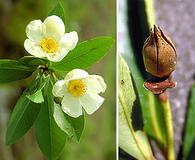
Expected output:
(159, 54)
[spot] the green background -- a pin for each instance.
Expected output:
(90, 18)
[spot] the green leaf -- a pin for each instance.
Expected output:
(73, 127)
(32, 61)
(22, 118)
(58, 11)
(34, 92)
(11, 70)
(50, 137)
(85, 54)
(134, 143)
(78, 125)
(189, 134)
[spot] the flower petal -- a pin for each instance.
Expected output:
(71, 106)
(91, 102)
(54, 27)
(57, 56)
(59, 89)
(69, 40)
(34, 30)
(76, 74)
(33, 48)
(95, 84)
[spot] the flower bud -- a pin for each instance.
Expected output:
(159, 54)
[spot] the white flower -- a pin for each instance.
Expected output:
(79, 89)
(48, 39)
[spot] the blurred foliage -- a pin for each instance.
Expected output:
(89, 18)
(189, 133)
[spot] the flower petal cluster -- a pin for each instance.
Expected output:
(80, 90)
(48, 39)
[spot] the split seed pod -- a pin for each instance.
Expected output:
(159, 54)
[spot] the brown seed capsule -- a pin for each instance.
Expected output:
(159, 54)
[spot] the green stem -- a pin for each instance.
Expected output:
(169, 129)
(150, 12)
(154, 118)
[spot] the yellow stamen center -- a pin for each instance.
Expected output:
(77, 87)
(49, 45)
